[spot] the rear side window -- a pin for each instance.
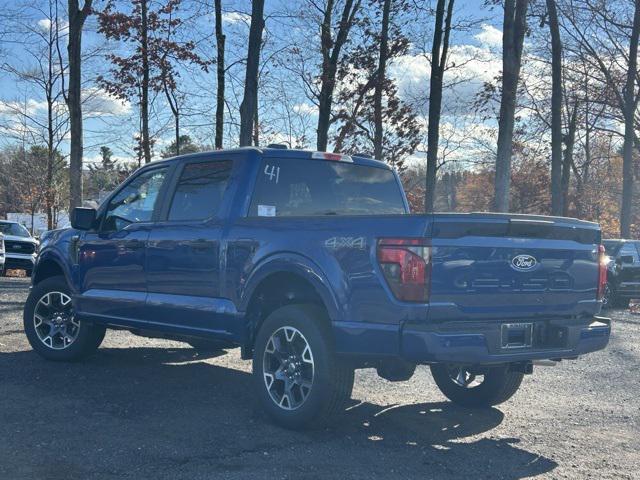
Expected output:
(199, 192)
(293, 187)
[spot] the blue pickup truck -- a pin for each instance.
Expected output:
(312, 264)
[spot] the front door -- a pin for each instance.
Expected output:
(111, 259)
(183, 263)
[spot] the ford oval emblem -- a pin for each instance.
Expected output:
(523, 263)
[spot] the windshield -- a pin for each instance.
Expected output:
(13, 229)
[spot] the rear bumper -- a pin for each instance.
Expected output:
(482, 342)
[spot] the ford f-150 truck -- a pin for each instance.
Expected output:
(311, 263)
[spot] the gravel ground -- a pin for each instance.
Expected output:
(153, 409)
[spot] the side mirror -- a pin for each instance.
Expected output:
(626, 259)
(83, 218)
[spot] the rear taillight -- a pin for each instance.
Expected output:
(406, 265)
(603, 260)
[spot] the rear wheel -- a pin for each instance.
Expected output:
(299, 379)
(476, 387)
(52, 327)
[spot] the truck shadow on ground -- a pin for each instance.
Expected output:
(170, 412)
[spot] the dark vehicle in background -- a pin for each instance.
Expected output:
(21, 249)
(311, 263)
(1, 255)
(623, 279)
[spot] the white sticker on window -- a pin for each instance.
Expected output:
(266, 210)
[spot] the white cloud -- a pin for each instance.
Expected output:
(305, 109)
(98, 102)
(489, 36)
(469, 67)
(44, 24)
(236, 17)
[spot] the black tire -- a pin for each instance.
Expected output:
(332, 381)
(499, 385)
(88, 339)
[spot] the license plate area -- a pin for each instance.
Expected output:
(516, 335)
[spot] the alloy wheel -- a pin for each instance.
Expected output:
(288, 368)
(54, 321)
(465, 378)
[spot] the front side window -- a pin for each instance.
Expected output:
(135, 202)
(301, 187)
(199, 192)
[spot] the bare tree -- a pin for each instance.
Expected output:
(438, 63)
(330, 49)
(380, 77)
(630, 102)
(220, 75)
(608, 35)
(77, 17)
(556, 111)
(249, 105)
(514, 29)
(43, 74)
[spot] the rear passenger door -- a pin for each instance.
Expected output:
(183, 256)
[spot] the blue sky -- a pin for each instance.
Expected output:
(114, 123)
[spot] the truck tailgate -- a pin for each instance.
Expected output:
(509, 267)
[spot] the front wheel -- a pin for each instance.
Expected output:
(52, 327)
(476, 387)
(298, 378)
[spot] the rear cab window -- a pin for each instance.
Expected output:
(304, 187)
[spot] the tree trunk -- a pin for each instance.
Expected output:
(438, 63)
(569, 142)
(380, 79)
(220, 39)
(77, 17)
(250, 99)
(629, 110)
(512, 40)
(557, 196)
(256, 128)
(144, 101)
(50, 132)
(176, 119)
(330, 58)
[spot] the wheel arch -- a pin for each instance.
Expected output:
(48, 266)
(280, 281)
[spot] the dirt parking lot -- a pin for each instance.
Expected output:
(154, 409)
